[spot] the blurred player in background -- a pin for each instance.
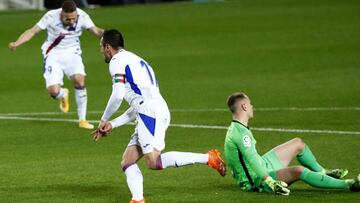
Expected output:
(134, 80)
(62, 54)
(271, 172)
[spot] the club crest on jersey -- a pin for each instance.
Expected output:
(247, 141)
(118, 78)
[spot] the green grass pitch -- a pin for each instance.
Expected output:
(282, 53)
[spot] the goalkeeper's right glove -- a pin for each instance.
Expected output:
(279, 187)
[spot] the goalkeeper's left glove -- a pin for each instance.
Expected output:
(279, 187)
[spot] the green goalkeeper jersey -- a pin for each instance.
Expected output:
(246, 165)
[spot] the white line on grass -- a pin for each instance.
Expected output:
(271, 129)
(197, 126)
(355, 108)
(203, 110)
(275, 109)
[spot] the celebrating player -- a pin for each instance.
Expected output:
(62, 54)
(134, 80)
(271, 172)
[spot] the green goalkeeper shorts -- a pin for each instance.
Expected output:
(273, 164)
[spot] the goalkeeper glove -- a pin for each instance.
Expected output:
(279, 187)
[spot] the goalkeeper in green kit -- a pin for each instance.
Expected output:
(271, 172)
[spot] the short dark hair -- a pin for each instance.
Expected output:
(68, 6)
(233, 100)
(114, 38)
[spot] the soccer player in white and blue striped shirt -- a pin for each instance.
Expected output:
(134, 81)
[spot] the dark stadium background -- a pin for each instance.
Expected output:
(81, 3)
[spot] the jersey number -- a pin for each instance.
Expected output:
(143, 64)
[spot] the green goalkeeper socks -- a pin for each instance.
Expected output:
(307, 159)
(319, 180)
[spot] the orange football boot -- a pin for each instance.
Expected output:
(140, 201)
(216, 162)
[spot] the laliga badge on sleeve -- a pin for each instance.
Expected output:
(247, 141)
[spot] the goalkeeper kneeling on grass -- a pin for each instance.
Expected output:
(271, 172)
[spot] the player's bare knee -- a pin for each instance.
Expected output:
(53, 92)
(151, 162)
(298, 140)
(126, 161)
(79, 80)
(299, 144)
(297, 170)
(124, 164)
(79, 84)
(79, 87)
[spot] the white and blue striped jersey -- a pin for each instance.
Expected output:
(137, 75)
(59, 37)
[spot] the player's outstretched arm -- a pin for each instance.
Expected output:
(105, 127)
(117, 95)
(24, 37)
(97, 31)
(114, 102)
(125, 118)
